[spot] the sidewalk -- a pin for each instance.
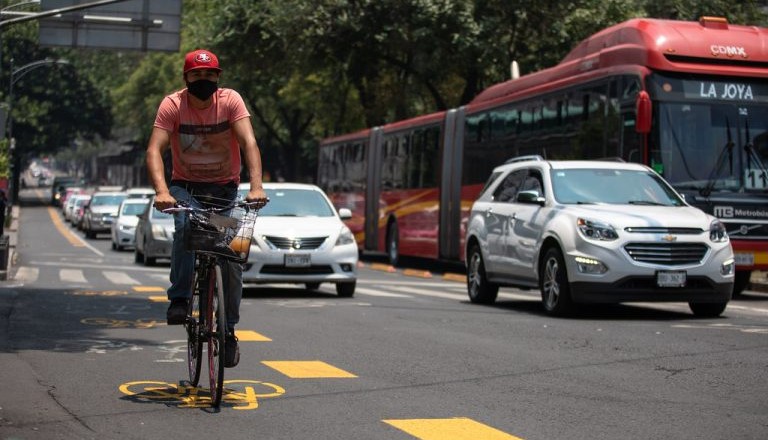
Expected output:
(12, 232)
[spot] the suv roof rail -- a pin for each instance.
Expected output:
(524, 158)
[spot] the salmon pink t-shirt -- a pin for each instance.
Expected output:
(203, 145)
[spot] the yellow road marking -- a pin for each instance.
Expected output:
(455, 277)
(251, 336)
(148, 289)
(63, 230)
(384, 267)
(159, 299)
(460, 428)
(417, 273)
(307, 369)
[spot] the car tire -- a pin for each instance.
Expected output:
(479, 289)
(741, 281)
(554, 285)
(312, 286)
(707, 310)
(393, 244)
(346, 290)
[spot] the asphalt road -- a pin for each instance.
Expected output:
(85, 353)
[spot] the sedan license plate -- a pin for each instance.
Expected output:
(671, 278)
(297, 260)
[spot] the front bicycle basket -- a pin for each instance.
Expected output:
(225, 234)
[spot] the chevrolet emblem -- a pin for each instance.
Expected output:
(669, 238)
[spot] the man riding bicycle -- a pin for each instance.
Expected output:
(207, 128)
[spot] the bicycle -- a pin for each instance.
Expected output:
(221, 230)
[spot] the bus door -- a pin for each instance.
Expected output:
(449, 247)
(373, 191)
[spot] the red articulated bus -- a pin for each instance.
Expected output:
(689, 99)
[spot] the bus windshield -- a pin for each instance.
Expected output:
(710, 144)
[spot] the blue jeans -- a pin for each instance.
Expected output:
(183, 261)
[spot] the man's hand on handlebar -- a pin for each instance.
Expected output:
(164, 201)
(257, 196)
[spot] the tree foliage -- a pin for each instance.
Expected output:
(309, 69)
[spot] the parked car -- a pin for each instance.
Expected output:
(100, 212)
(154, 235)
(123, 230)
(300, 238)
(59, 185)
(78, 213)
(74, 203)
(594, 232)
(140, 193)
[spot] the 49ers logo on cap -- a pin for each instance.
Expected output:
(203, 57)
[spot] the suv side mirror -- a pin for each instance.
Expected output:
(531, 197)
(345, 214)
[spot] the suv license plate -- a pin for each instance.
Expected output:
(297, 260)
(671, 278)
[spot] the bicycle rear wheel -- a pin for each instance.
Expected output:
(217, 325)
(194, 341)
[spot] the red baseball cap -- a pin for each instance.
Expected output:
(201, 59)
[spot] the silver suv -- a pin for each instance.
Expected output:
(594, 232)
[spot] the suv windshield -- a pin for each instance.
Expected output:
(610, 186)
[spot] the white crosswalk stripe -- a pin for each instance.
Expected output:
(72, 276)
(27, 274)
(119, 277)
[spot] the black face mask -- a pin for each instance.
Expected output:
(202, 89)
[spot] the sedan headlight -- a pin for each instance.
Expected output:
(159, 233)
(596, 230)
(717, 232)
(345, 237)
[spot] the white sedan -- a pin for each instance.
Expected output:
(301, 238)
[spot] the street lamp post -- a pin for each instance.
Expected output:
(16, 75)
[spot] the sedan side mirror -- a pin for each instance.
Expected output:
(345, 213)
(531, 198)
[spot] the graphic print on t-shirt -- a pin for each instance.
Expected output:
(205, 149)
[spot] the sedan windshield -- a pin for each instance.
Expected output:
(296, 203)
(134, 208)
(615, 187)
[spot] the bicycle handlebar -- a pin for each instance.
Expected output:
(184, 207)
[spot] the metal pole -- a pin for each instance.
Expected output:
(53, 12)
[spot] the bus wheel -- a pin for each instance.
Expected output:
(741, 281)
(393, 244)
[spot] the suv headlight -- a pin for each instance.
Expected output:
(596, 230)
(345, 237)
(717, 232)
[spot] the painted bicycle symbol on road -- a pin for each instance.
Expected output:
(120, 323)
(238, 394)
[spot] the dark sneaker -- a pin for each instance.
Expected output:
(177, 311)
(231, 350)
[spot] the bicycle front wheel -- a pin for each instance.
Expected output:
(218, 329)
(194, 339)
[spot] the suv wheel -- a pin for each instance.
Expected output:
(480, 290)
(554, 285)
(707, 310)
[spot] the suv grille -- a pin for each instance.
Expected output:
(663, 230)
(672, 254)
(305, 243)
